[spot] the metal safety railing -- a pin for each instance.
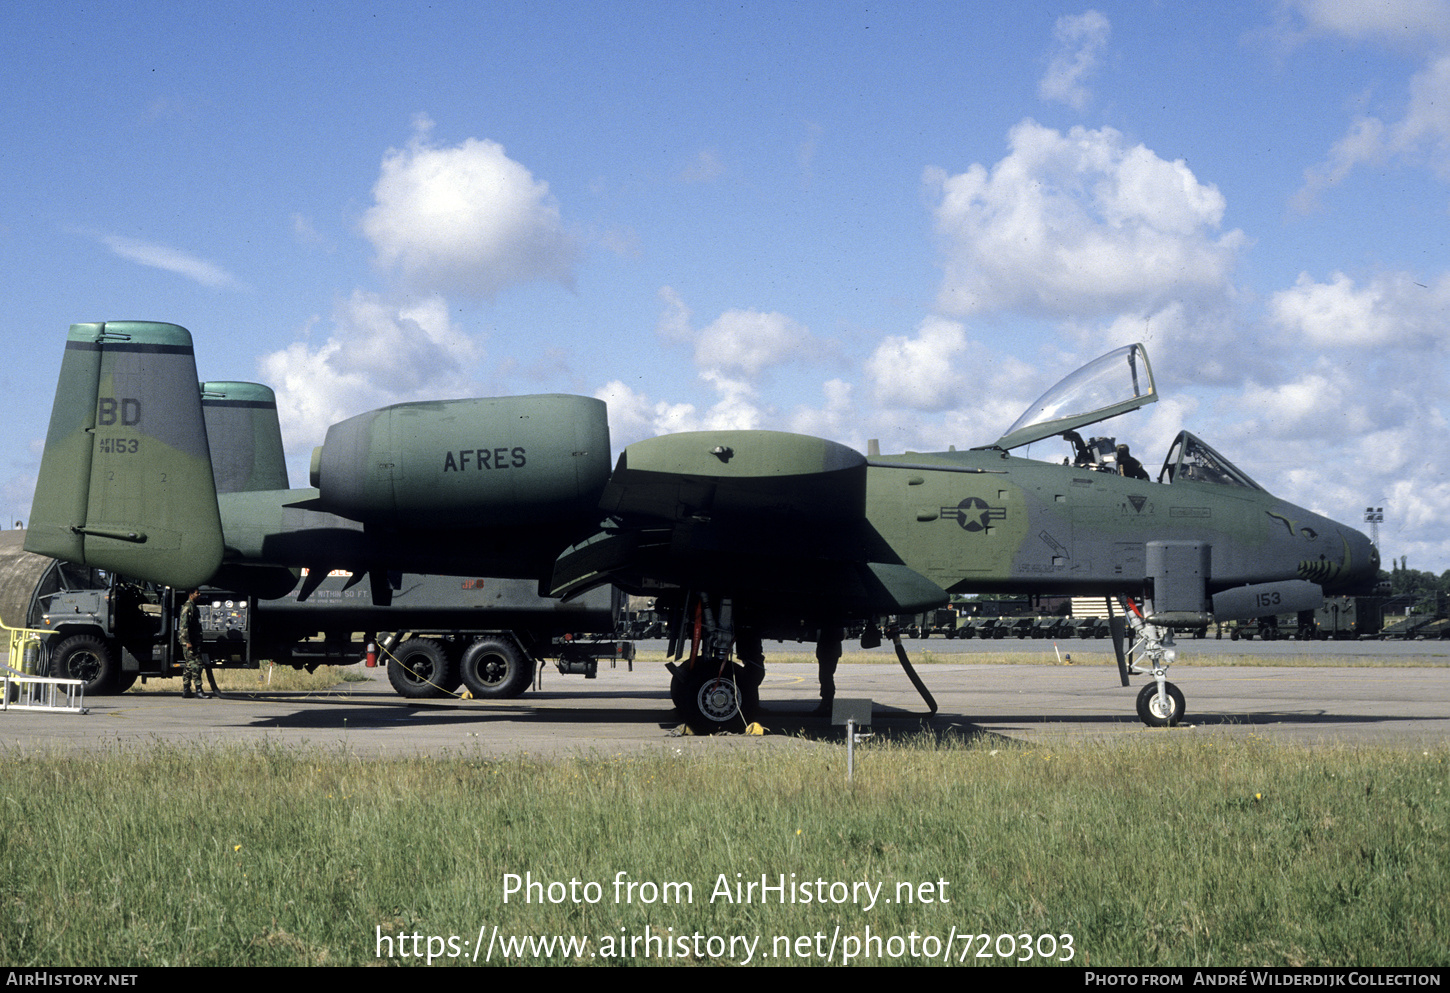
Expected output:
(22, 689)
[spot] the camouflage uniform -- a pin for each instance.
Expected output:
(828, 653)
(189, 629)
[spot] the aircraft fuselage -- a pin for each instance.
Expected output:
(1022, 525)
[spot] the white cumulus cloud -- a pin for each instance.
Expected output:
(749, 341)
(465, 219)
(738, 342)
(377, 354)
(1388, 311)
(920, 373)
(1400, 22)
(1078, 225)
(634, 416)
(1415, 133)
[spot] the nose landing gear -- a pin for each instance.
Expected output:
(1160, 703)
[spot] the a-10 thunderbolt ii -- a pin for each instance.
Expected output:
(740, 535)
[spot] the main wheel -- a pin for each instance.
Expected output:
(679, 687)
(419, 669)
(495, 668)
(89, 659)
(715, 699)
(1151, 710)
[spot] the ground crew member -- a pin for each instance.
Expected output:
(828, 653)
(189, 629)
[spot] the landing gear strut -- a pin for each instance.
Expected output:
(712, 693)
(1160, 703)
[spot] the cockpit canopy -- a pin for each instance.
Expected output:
(1114, 384)
(1191, 459)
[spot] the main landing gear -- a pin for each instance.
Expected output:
(713, 693)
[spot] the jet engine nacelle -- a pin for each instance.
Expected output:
(501, 461)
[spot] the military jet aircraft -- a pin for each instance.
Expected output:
(795, 534)
(740, 535)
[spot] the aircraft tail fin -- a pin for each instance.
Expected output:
(126, 479)
(245, 437)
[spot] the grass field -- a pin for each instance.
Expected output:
(1160, 852)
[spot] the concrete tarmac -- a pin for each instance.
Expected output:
(1385, 693)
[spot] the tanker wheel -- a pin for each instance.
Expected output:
(419, 669)
(89, 659)
(495, 668)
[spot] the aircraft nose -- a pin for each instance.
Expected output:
(1351, 568)
(1364, 562)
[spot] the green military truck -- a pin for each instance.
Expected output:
(437, 634)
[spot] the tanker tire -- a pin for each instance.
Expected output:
(87, 658)
(419, 668)
(496, 669)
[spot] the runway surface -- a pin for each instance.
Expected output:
(1356, 699)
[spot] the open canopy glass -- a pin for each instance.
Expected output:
(1114, 384)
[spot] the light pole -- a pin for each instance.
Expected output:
(1374, 517)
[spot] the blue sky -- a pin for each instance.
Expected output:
(901, 222)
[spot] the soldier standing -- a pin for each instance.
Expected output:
(189, 625)
(828, 653)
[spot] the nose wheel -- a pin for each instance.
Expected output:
(1160, 710)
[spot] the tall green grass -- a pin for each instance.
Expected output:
(1159, 852)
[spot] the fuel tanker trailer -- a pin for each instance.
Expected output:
(437, 634)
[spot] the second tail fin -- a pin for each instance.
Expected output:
(245, 437)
